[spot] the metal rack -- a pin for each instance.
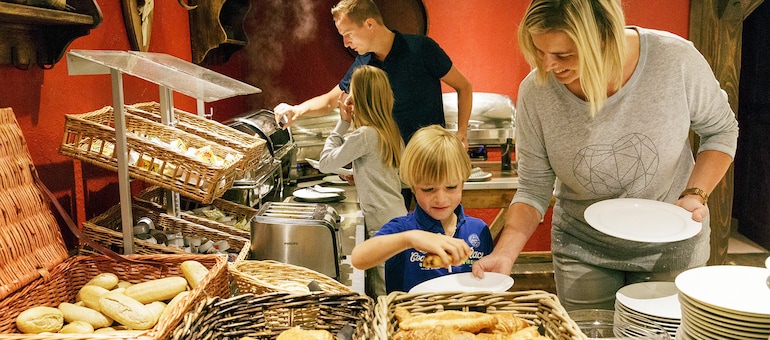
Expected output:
(170, 74)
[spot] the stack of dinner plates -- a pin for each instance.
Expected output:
(650, 305)
(724, 302)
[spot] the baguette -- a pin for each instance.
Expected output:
(127, 311)
(74, 313)
(157, 290)
(194, 272)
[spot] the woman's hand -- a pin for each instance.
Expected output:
(492, 263)
(694, 204)
(345, 103)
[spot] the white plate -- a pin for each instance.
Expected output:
(740, 289)
(652, 298)
(338, 191)
(642, 220)
(335, 180)
(307, 194)
(478, 177)
(465, 282)
(316, 164)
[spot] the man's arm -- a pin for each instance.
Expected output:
(315, 106)
(464, 89)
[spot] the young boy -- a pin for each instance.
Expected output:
(434, 165)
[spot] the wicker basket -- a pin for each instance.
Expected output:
(35, 268)
(537, 307)
(91, 137)
(265, 316)
(268, 276)
(64, 282)
(107, 230)
(251, 146)
(155, 197)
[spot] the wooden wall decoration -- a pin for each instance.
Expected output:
(137, 15)
(716, 28)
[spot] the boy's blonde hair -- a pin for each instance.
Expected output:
(434, 155)
(597, 27)
(357, 11)
(373, 107)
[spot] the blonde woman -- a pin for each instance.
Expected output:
(435, 165)
(374, 148)
(606, 113)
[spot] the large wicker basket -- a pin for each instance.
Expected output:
(268, 276)
(107, 230)
(266, 316)
(91, 137)
(35, 268)
(251, 146)
(538, 308)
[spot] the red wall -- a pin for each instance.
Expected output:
(294, 52)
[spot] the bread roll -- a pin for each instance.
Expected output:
(74, 313)
(40, 319)
(104, 280)
(127, 311)
(463, 321)
(302, 334)
(77, 327)
(90, 295)
(194, 272)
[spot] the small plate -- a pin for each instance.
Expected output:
(316, 164)
(653, 298)
(465, 282)
(642, 220)
(335, 180)
(307, 195)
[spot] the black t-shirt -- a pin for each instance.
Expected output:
(414, 66)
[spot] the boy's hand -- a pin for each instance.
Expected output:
(451, 251)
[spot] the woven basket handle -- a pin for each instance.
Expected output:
(83, 237)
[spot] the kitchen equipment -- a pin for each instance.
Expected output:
(275, 164)
(492, 117)
(302, 234)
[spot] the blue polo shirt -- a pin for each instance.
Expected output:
(404, 270)
(415, 66)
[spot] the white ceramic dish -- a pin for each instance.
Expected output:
(341, 171)
(653, 298)
(738, 290)
(308, 195)
(465, 282)
(334, 179)
(642, 220)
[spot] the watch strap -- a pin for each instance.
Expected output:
(696, 191)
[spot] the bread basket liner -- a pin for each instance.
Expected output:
(537, 307)
(35, 267)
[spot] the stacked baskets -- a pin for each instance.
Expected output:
(35, 268)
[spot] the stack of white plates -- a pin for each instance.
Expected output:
(724, 302)
(649, 305)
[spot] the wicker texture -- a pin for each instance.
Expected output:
(30, 241)
(155, 196)
(265, 316)
(268, 276)
(90, 137)
(107, 230)
(251, 146)
(64, 282)
(537, 307)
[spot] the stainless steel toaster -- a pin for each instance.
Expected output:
(302, 234)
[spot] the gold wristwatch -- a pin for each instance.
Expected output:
(696, 191)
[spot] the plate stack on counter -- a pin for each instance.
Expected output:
(319, 194)
(724, 302)
(650, 304)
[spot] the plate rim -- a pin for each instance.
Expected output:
(507, 279)
(692, 227)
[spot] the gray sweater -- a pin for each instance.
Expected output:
(636, 146)
(378, 186)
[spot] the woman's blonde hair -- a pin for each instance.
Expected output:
(597, 28)
(373, 107)
(434, 155)
(357, 11)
